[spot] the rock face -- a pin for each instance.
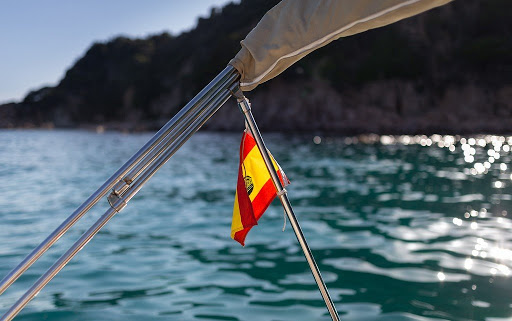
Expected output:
(377, 107)
(7, 115)
(447, 71)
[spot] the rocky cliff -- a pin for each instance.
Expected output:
(448, 70)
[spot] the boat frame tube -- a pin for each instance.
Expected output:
(245, 107)
(127, 181)
(130, 178)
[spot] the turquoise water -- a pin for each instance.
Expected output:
(403, 228)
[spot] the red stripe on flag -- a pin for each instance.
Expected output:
(240, 235)
(259, 205)
(248, 143)
(262, 201)
(244, 203)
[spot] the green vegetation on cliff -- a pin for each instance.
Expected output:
(400, 78)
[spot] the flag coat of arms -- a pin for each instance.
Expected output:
(254, 189)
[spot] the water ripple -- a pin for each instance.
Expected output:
(402, 227)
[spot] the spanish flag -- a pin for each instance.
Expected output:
(254, 189)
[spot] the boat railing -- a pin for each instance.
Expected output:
(122, 186)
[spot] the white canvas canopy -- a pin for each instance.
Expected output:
(294, 28)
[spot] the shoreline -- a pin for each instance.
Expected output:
(126, 128)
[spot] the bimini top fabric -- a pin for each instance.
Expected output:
(294, 28)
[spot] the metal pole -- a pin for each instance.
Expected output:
(184, 117)
(185, 135)
(281, 192)
(225, 85)
(57, 266)
(181, 136)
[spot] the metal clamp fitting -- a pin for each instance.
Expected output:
(117, 203)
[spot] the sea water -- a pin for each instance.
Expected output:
(402, 228)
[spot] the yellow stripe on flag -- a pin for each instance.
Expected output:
(236, 223)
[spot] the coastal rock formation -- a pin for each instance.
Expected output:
(448, 70)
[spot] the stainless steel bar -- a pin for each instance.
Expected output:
(281, 192)
(184, 134)
(184, 114)
(155, 166)
(136, 171)
(165, 143)
(61, 262)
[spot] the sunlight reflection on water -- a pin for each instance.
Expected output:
(402, 227)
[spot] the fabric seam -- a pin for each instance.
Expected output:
(327, 37)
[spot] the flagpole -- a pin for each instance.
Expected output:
(245, 107)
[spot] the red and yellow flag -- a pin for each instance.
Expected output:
(254, 189)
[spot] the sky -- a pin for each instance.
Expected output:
(40, 40)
